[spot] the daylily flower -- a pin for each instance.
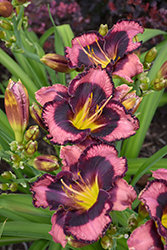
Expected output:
(153, 234)
(145, 237)
(84, 195)
(85, 109)
(129, 99)
(17, 108)
(112, 51)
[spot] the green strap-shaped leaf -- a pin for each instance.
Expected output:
(26, 229)
(39, 245)
(148, 164)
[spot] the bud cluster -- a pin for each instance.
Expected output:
(10, 183)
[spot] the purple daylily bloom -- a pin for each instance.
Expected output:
(85, 109)
(112, 51)
(84, 195)
(153, 234)
(145, 237)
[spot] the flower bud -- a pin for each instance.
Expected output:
(2, 34)
(103, 30)
(132, 222)
(13, 145)
(112, 230)
(7, 175)
(4, 186)
(36, 113)
(6, 8)
(17, 108)
(6, 25)
(13, 187)
(106, 242)
(57, 62)
(46, 163)
(31, 133)
(13, 39)
(15, 158)
(150, 55)
(142, 212)
(160, 81)
(31, 148)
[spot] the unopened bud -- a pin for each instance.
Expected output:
(13, 187)
(4, 186)
(6, 25)
(132, 222)
(13, 39)
(46, 163)
(15, 158)
(31, 133)
(31, 148)
(36, 113)
(57, 62)
(103, 30)
(7, 175)
(160, 81)
(112, 230)
(106, 242)
(142, 212)
(2, 34)
(6, 8)
(151, 55)
(13, 145)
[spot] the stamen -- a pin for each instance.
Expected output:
(102, 51)
(97, 113)
(76, 192)
(93, 57)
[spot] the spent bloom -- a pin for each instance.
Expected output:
(112, 51)
(153, 234)
(85, 109)
(17, 108)
(89, 190)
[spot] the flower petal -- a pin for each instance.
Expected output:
(122, 195)
(154, 196)
(160, 174)
(86, 42)
(69, 156)
(93, 223)
(102, 160)
(48, 191)
(100, 83)
(119, 40)
(145, 237)
(128, 67)
(56, 116)
(116, 123)
(57, 227)
(47, 94)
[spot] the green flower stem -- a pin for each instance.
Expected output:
(131, 147)
(135, 164)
